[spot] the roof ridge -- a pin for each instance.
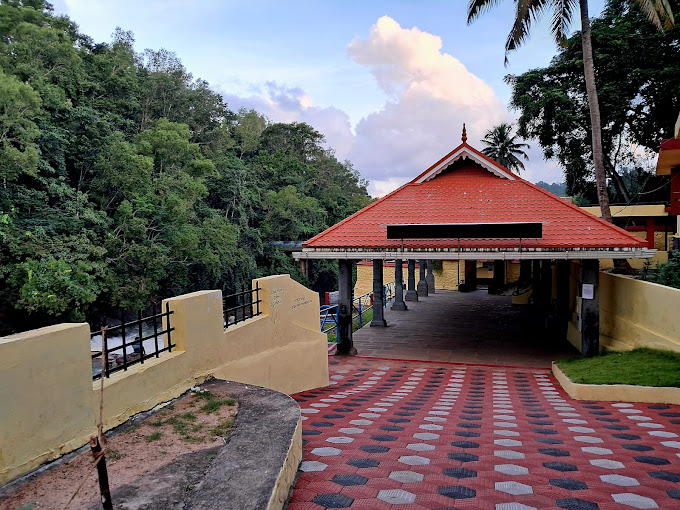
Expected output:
(580, 210)
(463, 145)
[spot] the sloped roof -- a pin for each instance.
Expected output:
(466, 186)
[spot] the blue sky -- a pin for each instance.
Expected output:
(388, 82)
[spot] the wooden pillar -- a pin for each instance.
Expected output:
(422, 282)
(411, 293)
(590, 307)
(378, 295)
(430, 277)
(399, 286)
(345, 344)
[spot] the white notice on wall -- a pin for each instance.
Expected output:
(588, 291)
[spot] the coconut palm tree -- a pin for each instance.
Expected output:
(502, 146)
(658, 11)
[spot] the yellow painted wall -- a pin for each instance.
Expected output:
(50, 403)
(635, 313)
(364, 283)
(447, 278)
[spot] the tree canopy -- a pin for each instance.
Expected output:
(638, 75)
(124, 179)
(503, 147)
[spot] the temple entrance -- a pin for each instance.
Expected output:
(463, 327)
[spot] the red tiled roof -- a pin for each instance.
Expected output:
(465, 192)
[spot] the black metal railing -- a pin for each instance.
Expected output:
(241, 306)
(144, 329)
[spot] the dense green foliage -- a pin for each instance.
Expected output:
(124, 180)
(641, 367)
(637, 75)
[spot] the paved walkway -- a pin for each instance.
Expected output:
(472, 327)
(415, 436)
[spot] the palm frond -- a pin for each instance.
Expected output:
(659, 12)
(563, 12)
(478, 7)
(527, 12)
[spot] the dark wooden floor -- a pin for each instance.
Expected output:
(472, 327)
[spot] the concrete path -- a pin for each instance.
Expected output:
(416, 436)
(472, 327)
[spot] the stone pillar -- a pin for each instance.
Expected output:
(524, 273)
(378, 297)
(498, 280)
(590, 307)
(470, 276)
(345, 344)
(430, 277)
(422, 283)
(411, 294)
(563, 312)
(398, 286)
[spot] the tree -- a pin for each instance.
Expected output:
(658, 11)
(638, 76)
(502, 146)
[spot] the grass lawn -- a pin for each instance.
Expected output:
(641, 367)
(366, 317)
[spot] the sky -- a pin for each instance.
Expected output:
(388, 83)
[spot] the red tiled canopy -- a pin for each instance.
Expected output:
(467, 187)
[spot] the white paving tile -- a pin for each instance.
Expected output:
(634, 500)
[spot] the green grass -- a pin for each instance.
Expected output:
(640, 367)
(153, 437)
(366, 317)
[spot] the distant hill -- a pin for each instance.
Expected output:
(557, 188)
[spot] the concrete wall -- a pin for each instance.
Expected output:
(50, 404)
(633, 313)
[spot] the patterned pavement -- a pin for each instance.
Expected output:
(414, 436)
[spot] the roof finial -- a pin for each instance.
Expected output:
(464, 137)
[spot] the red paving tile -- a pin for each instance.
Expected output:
(413, 436)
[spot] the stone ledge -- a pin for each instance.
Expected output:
(617, 392)
(257, 468)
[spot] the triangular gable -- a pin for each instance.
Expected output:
(464, 151)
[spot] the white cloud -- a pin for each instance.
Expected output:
(291, 104)
(431, 95)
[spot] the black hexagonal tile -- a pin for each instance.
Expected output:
(560, 466)
(310, 432)
(545, 432)
(374, 448)
(321, 424)
(665, 475)
(463, 457)
(577, 504)
(333, 500)
(384, 437)
(465, 433)
(348, 480)
(670, 415)
(554, 452)
(648, 459)
(637, 447)
(457, 492)
(398, 420)
(363, 463)
(568, 483)
(460, 473)
(674, 493)
(549, 440)
(627, 437)
(465, 444)
(469, 426)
